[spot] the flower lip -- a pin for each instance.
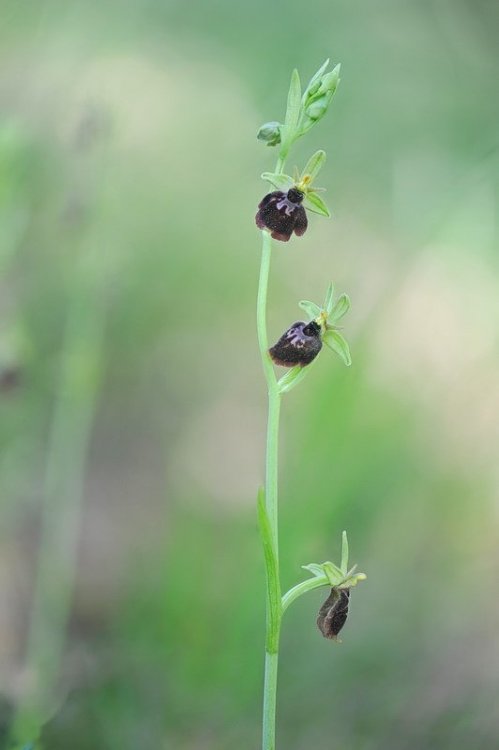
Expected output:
(333, 613)
(282, 216)
(299, 345)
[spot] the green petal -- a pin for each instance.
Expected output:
(338, 344)
(314, 203)
(313, 311)
(314, 165)
(340, 309)
(280, 181)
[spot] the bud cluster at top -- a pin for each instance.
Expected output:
(303, 110)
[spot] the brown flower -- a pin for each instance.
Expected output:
(299, 345)
(333, 613)
(283, 214)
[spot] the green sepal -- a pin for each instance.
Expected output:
(340, 309)
(314, 203)
(335, 576)
(315, 569)
(280, 181)
(344, 553)
(313, 311)
(293, 109)
(329, 299)
(314, 165)
(273, 584)
(338, 344)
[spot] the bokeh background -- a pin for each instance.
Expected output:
(132, 403)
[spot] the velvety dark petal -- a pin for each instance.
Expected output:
(279, 236)
(333, 613)
(301, 221)
(299, 345)
(269, 198)
(260, 222)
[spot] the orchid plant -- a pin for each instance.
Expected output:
(282, 213)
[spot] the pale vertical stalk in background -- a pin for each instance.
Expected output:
(70, 430)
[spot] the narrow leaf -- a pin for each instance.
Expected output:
(314, 203)
(292, 110)
(313, 311)
(280, 181)
(328, 301)
(272, 570)
(338, 344)
(314, 165)
(340, 309)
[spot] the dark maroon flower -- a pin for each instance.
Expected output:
(298, 346)
(283, 214)
(333, 613)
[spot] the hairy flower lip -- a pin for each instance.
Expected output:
(282, 214)
(299, 345)
(333, 613)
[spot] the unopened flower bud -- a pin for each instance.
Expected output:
(329, 82)
(270, 133)
(318, 109)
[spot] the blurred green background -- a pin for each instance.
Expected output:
(130, 377)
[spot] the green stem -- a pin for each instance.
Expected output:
(271, 477)
(302, 588)
(273, 627)
(269, 700)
